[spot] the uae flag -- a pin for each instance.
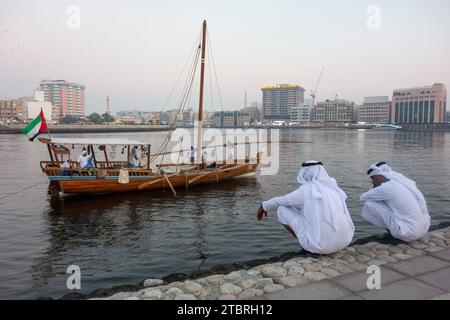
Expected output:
(36, 127)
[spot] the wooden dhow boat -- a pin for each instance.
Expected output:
(105, 176)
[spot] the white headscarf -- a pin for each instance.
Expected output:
(320, 203)
(386, 171)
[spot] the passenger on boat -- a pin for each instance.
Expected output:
(316, 213)
(395, 203)
(204, 154)
(230, 151)
(212, 165)
(192, 155)
(135, 155)
(89, 163)
(65, 165)
(85, 159)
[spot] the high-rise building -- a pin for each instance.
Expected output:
(301, 113)
(169, 117)
(279, 100)
(230, 118)
(337, 110)
(419, 105)
(375, 110)
(186, 118)
(12, 110)
(68, 96)
(35, 106)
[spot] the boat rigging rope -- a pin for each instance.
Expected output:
(187, 90)
(21, 190)
(186, 95)
(215, 70)
(210, 82)
(179, 110)
(191, 53)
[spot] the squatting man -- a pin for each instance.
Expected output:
(317, 215)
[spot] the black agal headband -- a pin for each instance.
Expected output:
(379, 164)
(305, 164)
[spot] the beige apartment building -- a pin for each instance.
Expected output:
(426, 104)
(375, 110)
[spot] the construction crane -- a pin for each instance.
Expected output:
(313, 92)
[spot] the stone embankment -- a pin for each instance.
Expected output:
(266, 279)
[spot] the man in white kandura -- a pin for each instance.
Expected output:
(316, 213)
(135, 155)
(395, 203)
(84, 158)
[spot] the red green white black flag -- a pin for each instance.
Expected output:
(36, 127)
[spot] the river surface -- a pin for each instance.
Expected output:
(126, 238)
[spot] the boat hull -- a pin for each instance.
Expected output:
(109, 184)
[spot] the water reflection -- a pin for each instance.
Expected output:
(124, 238)
(414, 140)
(96, 230)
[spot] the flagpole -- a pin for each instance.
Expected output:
(48, 129)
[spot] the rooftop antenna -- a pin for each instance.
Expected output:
(108, 107)
(313, 92)
(245, 99)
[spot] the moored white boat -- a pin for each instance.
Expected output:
(387, 126)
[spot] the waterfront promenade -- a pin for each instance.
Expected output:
(415, 270)
(17, 129)
(422, 277)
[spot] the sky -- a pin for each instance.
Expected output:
(134, 51)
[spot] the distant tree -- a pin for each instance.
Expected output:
(69, 119)
(106, 117)
(95, 118)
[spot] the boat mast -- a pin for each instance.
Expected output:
(200, 103)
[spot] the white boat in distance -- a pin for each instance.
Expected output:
(387, 126)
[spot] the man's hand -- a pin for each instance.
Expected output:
(260, 214)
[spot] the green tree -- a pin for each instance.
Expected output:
(69, 119)
(106, 117)
(95, 118)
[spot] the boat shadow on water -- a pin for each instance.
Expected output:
(86, 228)
(74, 205)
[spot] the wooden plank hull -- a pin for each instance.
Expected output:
(72, 185)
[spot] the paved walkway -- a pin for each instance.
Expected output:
(419, 278)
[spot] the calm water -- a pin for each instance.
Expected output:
(129, 237)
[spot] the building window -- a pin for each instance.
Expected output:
(425, 114)
(421, 112)
(405, 113)
(432, 111)
(410, 112)
(397, 111)
(416, 110)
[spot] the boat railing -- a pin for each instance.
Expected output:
(219, 163)
(111, 164)
(53, 168)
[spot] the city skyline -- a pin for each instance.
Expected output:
(133, 54)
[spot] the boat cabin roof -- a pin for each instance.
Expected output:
(95, 141)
